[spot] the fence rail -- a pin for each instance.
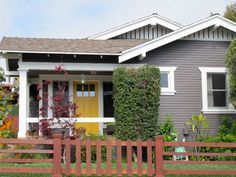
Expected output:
(115, 151)
(27, 151)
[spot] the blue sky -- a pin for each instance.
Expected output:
(82, 18)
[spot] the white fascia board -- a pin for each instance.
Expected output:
(175, 35)
(165, 22)
(44, 66)
(153, 19)
(226, 23)
(67, 53)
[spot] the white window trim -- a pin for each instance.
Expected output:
(205, 109)
(171, 80)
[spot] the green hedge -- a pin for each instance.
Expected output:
(136, 102)
(231, 65)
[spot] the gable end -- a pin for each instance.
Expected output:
(152, 20)
(146, 32)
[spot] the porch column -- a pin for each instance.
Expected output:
(23, 102)
(101, 105)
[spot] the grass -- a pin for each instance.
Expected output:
(46, 165)
(201, 167)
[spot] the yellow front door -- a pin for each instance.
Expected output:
(86, 98)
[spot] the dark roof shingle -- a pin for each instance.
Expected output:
(75, 46)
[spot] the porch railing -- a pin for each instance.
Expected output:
(79, 119)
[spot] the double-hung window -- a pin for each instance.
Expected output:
(215, 98)
(217, 91)
(167, 80)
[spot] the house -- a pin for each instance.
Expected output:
(190, 58)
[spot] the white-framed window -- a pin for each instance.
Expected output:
(167, 80)
(215, 97)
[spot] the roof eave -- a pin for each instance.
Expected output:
(66, 53)
(175, 35)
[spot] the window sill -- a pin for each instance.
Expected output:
(219, 111)
(168, 93)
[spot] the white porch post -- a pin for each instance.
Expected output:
(23, 102)
(101, 112)
(50, 95)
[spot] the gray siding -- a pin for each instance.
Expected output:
(187, 56)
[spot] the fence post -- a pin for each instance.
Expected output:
(159, 156)
(57, 170)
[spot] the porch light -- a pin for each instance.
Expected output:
(82, 79)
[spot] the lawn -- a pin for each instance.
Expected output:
(44, 165)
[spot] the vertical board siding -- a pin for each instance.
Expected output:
(146, 32)
(209, 34)
(187, 56)
(152, 32)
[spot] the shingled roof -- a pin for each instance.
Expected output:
(73, 46)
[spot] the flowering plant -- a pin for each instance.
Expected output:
(6, 125)
(7, 129)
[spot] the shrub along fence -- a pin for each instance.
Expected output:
(153, 165)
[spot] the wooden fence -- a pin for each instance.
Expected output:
(114, 164)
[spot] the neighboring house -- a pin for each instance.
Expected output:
(191, 60)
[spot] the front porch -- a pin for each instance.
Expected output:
(94, 101)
